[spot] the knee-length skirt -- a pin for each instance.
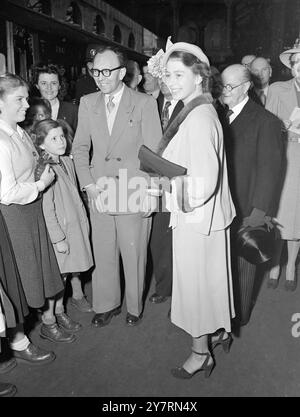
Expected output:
(10, 279)
(33, 250)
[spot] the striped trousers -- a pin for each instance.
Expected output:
(243, 285)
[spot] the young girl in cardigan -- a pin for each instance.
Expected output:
(65, 216)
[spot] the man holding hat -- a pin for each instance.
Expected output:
(254, 154)
(284, 101)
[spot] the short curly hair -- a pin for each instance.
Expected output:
(45, 69)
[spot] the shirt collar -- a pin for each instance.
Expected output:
(9, 130)
(117, 96)
(239, 107)
(172, 101)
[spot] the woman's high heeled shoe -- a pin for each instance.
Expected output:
(273, 279)
(225, 343)
(182, 373)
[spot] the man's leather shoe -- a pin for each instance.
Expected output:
(66, 323)
(56, 334)
(132, 320)
(7, 366)
(103, 319)
(34, 355)
(156, 298)
(7, 390)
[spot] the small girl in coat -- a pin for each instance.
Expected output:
(65, 217)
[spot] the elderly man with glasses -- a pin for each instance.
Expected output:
(254, 151)
(115, 121)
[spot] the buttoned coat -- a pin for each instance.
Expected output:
(281, 100)
(136, 123)
(66, 219)
(202, 298)
(115, 156)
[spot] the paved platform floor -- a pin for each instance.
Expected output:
(120, 361)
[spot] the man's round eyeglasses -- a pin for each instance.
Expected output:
(105, 72)
(229, 87)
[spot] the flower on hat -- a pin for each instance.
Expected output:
(155, 66)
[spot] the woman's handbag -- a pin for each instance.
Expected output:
(155, 165)
(256, 244)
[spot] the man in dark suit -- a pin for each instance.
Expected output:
(161, 235)
(261, 72)
(254, 151)
(85, 84)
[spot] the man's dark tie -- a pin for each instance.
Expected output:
(165, 115)
(228, 114)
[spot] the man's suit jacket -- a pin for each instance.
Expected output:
(85, 85)
(254, 96)
(68, 112)
(136, 123)
(255, 155)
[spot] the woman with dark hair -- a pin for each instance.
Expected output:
(201, 210)
(21, 207)
(47, 80)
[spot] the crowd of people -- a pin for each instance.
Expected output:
(73, 196)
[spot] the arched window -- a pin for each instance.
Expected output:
(46, 7)
(131, 41)
(41, 6)
(73, 14)
(99, 25)
(117, 35)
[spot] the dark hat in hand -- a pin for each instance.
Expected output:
(256, 244)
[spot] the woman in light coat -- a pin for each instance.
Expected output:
(283, 98)
(201, 212)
